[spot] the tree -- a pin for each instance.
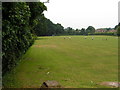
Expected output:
(116, 26)
(46, 27)
(36, 9)
(59, 29)
(77, 32)
(83, 32)
(118, 31)
(90, 30)
(40, 28)
(70, 31)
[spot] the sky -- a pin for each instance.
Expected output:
(83, 13)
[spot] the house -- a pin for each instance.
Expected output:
(100, 30)
(112, 31)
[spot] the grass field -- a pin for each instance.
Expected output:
(74, 62)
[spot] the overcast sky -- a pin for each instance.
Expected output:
(83, 13)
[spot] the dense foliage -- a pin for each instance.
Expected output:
(46, 27)
(83, 31)
(118, 29)
(90, 30)
(19, 20)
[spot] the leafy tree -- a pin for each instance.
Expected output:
(77, 32)
(46, 27)
(69, 30)
(90, 30)
(116, 26)
(59, 29)
(36, 9)
(50, 27)
(40, 28)
(118, 31)
(83, 31)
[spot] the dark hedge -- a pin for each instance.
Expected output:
(18, 22)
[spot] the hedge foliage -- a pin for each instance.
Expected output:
(19, 20)
(105, 33)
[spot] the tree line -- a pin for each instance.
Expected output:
(46, 27)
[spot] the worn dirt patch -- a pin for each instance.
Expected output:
(53, 46)
(112, 84)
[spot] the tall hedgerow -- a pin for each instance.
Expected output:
(18, 22)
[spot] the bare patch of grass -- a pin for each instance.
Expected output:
(40, 46)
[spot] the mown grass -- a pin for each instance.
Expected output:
(74, 62)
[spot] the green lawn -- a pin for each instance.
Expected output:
(74, 62)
